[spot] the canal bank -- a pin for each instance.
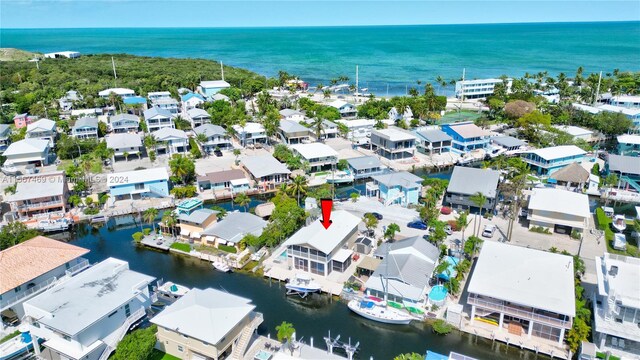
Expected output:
(312, 318)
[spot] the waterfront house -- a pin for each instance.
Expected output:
(136, 104)
(193, 224)
(124, 144)
(251, 133)
(85, 128)
(576, 132)
(406, 116)
(320, 251)
(22, 120)
(407, 267)
(526, 292)
(26, 152)
(359, 129)
(124, 123)
(191, 101)
(62, 54)
(401, 187)
(465, 182)
(292, 132)
(86, 316)
(627, 101)
(122, 92)
(467, 136)
(44, 129)
(169, 104)
(318, 155)
(627, 168)
(5, 136)
(210, 88)
(632, 114)
(628, 144)
(138, 184)
(291, 115)
(265, 170)
(479, 88)
(207, 324)
(508, 144)
(157, 119)
(157, 95)
(30, 267)
(171, 140)
(546, 161)
(198, 117)
(231, 180)
(558, 210)
(393, 143)
(233, 228)
(433, 141)
(69, 99)
(366, 166)
(616, 306)
(346, 109)
(217, 137)
(39, 195)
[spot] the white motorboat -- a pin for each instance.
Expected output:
(302, 284)
(340, 177)
(46, 226)
(379, 311)
(619, 223)
(221, 266)
(172, 291)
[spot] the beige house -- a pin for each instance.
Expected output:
(207, 324)
(558, 210)
(193, 225)
(40, 195)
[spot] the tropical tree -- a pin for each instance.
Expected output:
(298, 186)
(472, 245)
(170, 220)
(236, 153)
(318, 126)
(354, 196)
(243, 200)
(201, 138)
(285, 332)
(391, 231)
(409, 356)
(182, 168)
(478, 199)
(370, 221)
(461, 223)
(149, 216)
(11, 189)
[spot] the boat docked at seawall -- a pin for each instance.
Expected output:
(221, 266)
(619, 223)
(379, 311)
(302, 284)
(340, 177)
(16, 346)
(49, 226)
(171, 291)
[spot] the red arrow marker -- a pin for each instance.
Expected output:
(326, 205)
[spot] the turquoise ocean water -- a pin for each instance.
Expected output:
(393, 55)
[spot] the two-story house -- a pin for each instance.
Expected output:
(346, 109)
(26, 152)
(233, 181)
(293, 132)
(291, 115)
(466, 182)
(198, 117)
(466, 136)
(265, 170)
(393, 143)
(191, 100)
(86, 316)
(628, 144)
(22, 120)
(212, 87)
(39, 194)
(546, 161)
(558, 210)
(250, 134)
(193, 224)
(31, 267)
(167, 103)
(43, 129)
(217, 137)
(124, 145)
(172, 141)
(157, 95)
(85, 128)
(433, 141)
(157, 119)
(366, 166)
(318, 155)
(401, 187)
(122, 92)
(124, 123)
(138, 184)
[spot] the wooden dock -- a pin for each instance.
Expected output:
(152, 241)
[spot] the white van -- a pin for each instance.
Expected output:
(488, 230)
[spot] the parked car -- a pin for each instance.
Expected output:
(448, 229)
(418, 225)
(375, 215)
(217, 152)
(488, 230)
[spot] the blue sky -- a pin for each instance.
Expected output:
(155, 13)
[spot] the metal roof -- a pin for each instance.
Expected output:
(290, 126)
(326, 240)
(434, 135)
(127, 117)
(156, 111)
(365, 162)
(222, 176)
(558, 152)
(314, 150)
(559, 201)
(86, 122)
(468, 181)
(168, 133)
(401, 178)
(137, 176)
(26, 146)
(197, 216)
(123, 140)
(507, 141)
(235, 226)
(264, 165)
(624, 164)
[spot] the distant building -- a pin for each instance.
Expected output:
(466, 182)
(124, 145)
(137, 104)
(26, 152)
(22, 120)
(198, 117)
(40, 195)
(210, 88)
(207, 324)
(122, 92)
(232, 180)
(85, 128)
(616, 306)
(157, 95)
(547, 160)
(467, 136)
(124, 123)
(169, 104)
(576, 132)
(433, 141)
(138, 184)
(346, 109)
(157, 119)
(191, 101)
(217, 137)
(291, 115)
(558, 210)
(62, 54)
(393, 143)
(632, 114)
(478, 89)
(86, 316)
(401, 187)
(359, 129)
(69, 99)
(628, 101)
(318, 155)
(43, 129)
(627, 168)
(508, 143)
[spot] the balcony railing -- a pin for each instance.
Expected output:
(530, 315)
(40, 205)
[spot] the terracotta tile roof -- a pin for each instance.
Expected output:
(32, 258)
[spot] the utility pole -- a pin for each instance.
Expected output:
(595, 99)
(222, 70)
(115, 75)
(464, 70)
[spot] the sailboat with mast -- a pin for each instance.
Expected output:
(380, 310)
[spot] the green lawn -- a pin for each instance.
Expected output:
(181, 246)
(604, 223)
(159, 355)
(454, 116)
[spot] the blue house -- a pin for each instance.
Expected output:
(466, 136)
(366, 166)
(546, 161)
(139, 184)
(210, 88)
(402, 188)
(629, 145)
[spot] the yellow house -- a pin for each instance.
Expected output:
(193, 225)
(207, 325)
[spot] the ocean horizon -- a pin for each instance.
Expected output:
(392, 57)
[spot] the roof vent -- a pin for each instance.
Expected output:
(613, 271)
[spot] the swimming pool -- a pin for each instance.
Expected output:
(263, 355)
(437, 294)
(283, 257)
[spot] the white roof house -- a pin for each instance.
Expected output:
(631, 112)
(214, 84)
(326, 240)
(314, 151)
(170, 134)
(549, 207)
(118, 91)
(27, 151)
(235, 226)
(264, 165)
(41, 125)
(528, 277)
(62, 54)
(575, 131)
(629, 139)
(123, 141)
(590, 109)
(249, 128)
(393, 134)
(558, 152)
(137, 176)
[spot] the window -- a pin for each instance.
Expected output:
(139, 186)
(18, 288)
(180, 348)
(127, 310)
(113, 313)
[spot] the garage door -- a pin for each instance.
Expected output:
(561, 229)
(196, 356)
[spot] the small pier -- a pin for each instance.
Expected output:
(160, 243)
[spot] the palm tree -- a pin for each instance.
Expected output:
(318, 127)
(243, 200)
(149, 216)
(202, 138)
(126, 155)
(298, 186)
(443, 268)
(285, 332)
(478, 199)
(170, 219)
(391, 231)
(461, 222)
(236, 153)
(181, 167)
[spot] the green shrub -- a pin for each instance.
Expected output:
(195, 151)
(227, 248)
(540, 230)
(137, 345)
(91, 211)
(181, 246)
(146, 231)
(575, 234)
(181, 192)
(441, 327)
(137, 236)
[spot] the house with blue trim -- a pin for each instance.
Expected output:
(433, 141)
(402, 188)
(231, 180)
(139, 184)
(85, 128)
(191, 101)
(629, 145)
(546, 161)
(210, 88)
(466, 136)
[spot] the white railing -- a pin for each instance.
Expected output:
(518, 312)
(78, 267)
(41, 204)
(122, 331)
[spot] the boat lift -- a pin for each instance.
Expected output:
(336, 343)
